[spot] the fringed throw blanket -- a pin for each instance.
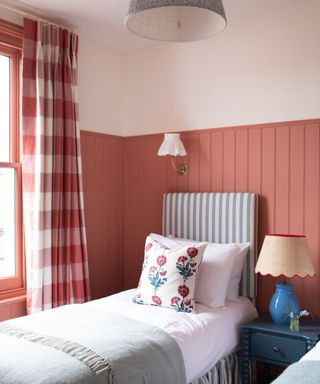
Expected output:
(306, 372)
(78, 344)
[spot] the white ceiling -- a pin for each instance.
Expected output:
(103, 19)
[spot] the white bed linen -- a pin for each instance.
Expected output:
(314, 354)
(204, 338)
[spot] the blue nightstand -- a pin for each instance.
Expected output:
(262, 340)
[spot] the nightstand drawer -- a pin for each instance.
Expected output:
(278, 349)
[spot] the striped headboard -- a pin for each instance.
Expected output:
(216, 218)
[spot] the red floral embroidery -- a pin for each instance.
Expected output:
(156, 273)
(156, 300)
(181, 305)
(148, 246)
(192, 251)
(182, 259)
(175, 299)
(161, 260)
(183, 290)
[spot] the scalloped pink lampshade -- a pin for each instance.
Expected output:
(286, 255)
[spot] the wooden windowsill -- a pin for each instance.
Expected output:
(13, 299)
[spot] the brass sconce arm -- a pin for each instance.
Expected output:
(181, 168)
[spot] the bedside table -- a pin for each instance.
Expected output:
(262, 340)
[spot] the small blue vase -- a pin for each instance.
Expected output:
(282, 303)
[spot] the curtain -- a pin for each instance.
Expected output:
(55, 239)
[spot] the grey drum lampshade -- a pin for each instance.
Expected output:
(176, 20)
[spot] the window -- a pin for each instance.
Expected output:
(11, 255)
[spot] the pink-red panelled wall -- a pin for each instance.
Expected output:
(102, 162)
(279, 162)
(124, 182)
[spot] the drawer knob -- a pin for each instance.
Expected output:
(276, 349)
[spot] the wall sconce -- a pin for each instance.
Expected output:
(172, 146)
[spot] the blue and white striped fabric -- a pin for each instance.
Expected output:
(227, 370)
(216, 218)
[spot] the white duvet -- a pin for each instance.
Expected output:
(204, 338)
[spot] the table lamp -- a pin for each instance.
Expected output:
(288, 256)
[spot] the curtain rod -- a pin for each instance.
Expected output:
(32, 16)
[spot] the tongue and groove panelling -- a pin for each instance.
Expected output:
(279, 162)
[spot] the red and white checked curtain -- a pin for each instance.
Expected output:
(55, 239)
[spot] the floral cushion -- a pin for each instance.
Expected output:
(168, 276)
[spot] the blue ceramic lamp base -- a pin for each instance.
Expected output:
(282, 303)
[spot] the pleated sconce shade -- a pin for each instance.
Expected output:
(285, 255)
(172, 146)
(176, 20)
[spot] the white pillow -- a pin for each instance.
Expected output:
(170, 242)
(240, 251)
(220, 271)
(168, 275)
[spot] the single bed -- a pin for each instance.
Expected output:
(202, 337)
(207, 341)
(218, 218)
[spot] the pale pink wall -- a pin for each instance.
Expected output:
(279, 162)
(262, 70)
(100, 87)
(259, 70)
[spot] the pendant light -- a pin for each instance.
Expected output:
(176, 20)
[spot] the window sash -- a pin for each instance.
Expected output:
(11, 46)
(16, 281)
(14, 100)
